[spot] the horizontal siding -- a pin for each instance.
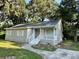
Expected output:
(16, 35)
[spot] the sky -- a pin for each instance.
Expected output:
(27, 1)
(58, 1)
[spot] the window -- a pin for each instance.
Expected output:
(20, 33)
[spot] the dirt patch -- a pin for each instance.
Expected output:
(46, 47)
(65, 46)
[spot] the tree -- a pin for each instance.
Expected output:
(13, 9)
(42, 8)
(1, 4)
(68, 13)
(68, 9)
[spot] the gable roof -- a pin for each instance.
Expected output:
(43, 24)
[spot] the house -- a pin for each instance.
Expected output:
(43, 32)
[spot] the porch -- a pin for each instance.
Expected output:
(43, 35)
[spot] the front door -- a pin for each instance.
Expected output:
(37, 32)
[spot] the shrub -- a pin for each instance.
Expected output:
(2, 35)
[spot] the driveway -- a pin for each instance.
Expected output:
(58, 54)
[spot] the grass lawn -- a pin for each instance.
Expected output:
(9, 44)
(13, 49)
(68, 44)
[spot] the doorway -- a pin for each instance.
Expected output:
(37, 32)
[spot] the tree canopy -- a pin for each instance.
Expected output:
(42, 8)
(13, 9)
(69, 14)
(14, 6)
(68, 10)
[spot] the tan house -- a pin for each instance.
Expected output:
(44, 32)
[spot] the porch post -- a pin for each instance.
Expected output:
(33, 33)
(54, 41)
(45, 34)
(41, 33)
(54, 32)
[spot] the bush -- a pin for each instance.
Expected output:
(68, 31)
(2, 35)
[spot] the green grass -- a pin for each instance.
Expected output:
(9, 44)
(75, 46)
(19, 53)
(71, 45)
(8, 48)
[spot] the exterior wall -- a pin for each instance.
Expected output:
(30, 35)
(47, 36)
(56, 36)
(16, 35)
(59, 32)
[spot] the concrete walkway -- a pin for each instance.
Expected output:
(58, 54)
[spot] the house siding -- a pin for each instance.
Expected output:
(47, 36)
(56, 35)
(59, 32)
(16, 35)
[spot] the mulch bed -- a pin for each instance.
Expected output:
(47, 47)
